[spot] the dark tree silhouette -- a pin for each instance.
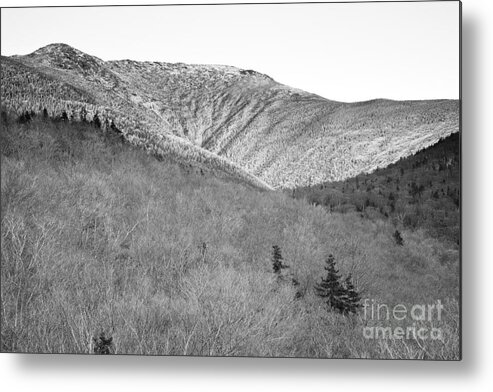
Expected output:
(277, 259)
(330, 287)
(398, 238)
(352, 298)
(340, 296)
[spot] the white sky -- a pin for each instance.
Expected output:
(345, 52)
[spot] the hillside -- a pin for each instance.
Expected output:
(420, 191)
(25, 90)
(99, 237)
(221, 115)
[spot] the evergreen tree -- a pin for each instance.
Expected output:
(64, 116)
(352, 297)
(398, 238)
(330, 287)
(45, 114)
(277, 259)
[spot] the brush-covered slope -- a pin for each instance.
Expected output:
(99, 237)
(281, 135)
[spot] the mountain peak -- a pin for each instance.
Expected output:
(56, 46)
(63, 56)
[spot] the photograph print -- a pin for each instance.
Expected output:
(235, 180)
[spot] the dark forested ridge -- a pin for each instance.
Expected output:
(420, 191)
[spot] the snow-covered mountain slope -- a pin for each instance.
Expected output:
(224, 116)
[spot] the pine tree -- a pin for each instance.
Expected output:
(352, 298)
(330, 287)
(277, 259)
(398, 238)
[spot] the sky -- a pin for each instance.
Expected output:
(341, 51)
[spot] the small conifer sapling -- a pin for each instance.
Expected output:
(398, 238)
(277, 259)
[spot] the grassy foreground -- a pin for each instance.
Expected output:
(99, 237)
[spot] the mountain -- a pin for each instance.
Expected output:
(270, 134)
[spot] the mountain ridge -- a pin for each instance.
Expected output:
(281, 135)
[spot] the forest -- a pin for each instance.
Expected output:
(417, 192)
